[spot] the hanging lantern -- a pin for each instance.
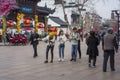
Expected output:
(27, 21)
(40, 25)
(10, 24)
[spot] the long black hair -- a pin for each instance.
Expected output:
(60, 32)
(92, 33)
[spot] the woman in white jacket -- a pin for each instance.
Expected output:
(61, 44)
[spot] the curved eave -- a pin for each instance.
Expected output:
(43, 12)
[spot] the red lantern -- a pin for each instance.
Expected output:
(40, 25)
(10, 24)
(27, 21)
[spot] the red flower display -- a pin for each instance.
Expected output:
(6, 6)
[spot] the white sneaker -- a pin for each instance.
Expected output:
(59, 60)
(62, 59)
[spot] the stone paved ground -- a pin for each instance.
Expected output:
(17, 63)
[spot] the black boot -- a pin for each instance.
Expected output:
(46, 61)
(51, 61)
(89, 64)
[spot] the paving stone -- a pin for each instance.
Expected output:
(17, 63)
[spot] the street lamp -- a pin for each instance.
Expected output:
(117, 12)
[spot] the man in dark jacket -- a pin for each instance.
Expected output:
(92, 50)
(109, 46)
(34, 41)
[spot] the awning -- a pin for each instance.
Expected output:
(45, 10)
(51, 23)
(57, 22)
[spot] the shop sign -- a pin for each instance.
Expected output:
(26, 9)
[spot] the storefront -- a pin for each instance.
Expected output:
(29, 9)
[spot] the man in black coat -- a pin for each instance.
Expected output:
(92, 50)
(34, 41)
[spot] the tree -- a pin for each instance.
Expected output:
(79, 4)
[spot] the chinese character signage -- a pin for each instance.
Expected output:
(26, 9)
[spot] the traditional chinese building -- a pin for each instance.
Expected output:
(30, 8)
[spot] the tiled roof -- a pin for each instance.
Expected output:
(58, 20)
(45, 9)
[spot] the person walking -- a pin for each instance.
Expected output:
(109, 45)
(92, 49)
(61, 44)
(34, 41)
(50, 40)
(74, 37)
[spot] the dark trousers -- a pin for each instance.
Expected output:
(49, 47)
(92, 58)
(79, 49)
(107, 54)
(35, 50)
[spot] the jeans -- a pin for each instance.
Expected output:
(61, 50)
(47, 50)
(74, 51)
(107, 54)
